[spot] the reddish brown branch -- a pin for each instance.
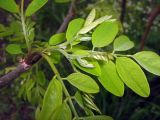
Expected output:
(34, 57)
(154, 13)
(68, 17)
(21, 68)
(9, 77)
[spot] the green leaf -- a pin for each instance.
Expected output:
(90, 17)
(2, 28)
(63, 112)
(16, 26)
(122, 43)
(73, 28)
(34, 6)
(133, 76)
(104, 34)
(9, 5)
(52, 99)
(55, 57)
(62, 1)
(83, 82)
(57, 38)
(98, 117)
(6, 33)
(41, 79)
(14, 49)
(150, 61)
(94, 71)
(110, 79)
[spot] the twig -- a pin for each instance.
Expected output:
(9, 77)
(154, 13)
(68, 17)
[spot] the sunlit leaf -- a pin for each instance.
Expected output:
(63, 112)
(34, 6)
(122, 43)
(73, 28)
(52, 99)
(9, 5)
(149, 61)
(133, 76)
(57, 38)
(104, 34)
(83, 82)
(110, 79)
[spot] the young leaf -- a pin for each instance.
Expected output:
(104, 34)
(149, 61)
(52, 99)
(57, 38)
(87, 28)
(34, 6)
(83, 82)
(94, 24)
(98, 117)
(122, 43)
(90, 17)
(94, 71)
(79, 99)
(103, 19)
(73, 28)
(63, 112)
(133, 76)
(85, 63)
(85, 38)
(88, 101)
(14, 49)
(110, 79)
(9, 5)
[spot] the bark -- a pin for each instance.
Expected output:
(154, 13)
